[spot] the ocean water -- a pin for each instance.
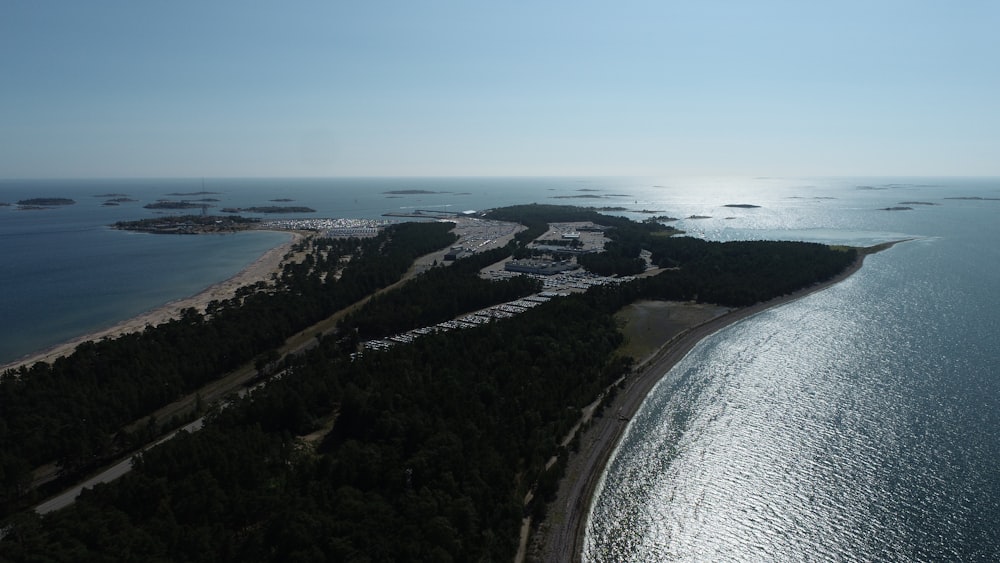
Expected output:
(859, 423)
(65, 273)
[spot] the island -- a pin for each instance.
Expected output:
(897, 208)
(411, 192)
(184, 194)
(269, 209)
(189, 224)
(45, 202)
(446, 409)
(170, 204)
(742, 205)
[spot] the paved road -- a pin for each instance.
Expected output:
(67, 498)
(294, 345)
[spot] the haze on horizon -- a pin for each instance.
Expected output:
(456, 88)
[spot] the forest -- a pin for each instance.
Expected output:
(419, 452)
(72, 412)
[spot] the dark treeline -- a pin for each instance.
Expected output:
(420, 452)
(433, 449)
(440, 294)
(733, 273)
(740, 273)
(620, 255)
(537, 218)
(72, 411)
(612, 263)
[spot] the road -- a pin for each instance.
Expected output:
(469, 234)
(67, 497)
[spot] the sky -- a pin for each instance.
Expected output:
(184, 88)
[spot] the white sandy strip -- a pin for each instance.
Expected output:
(260, 270)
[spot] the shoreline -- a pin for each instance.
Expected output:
(564, 529)
(258, 270)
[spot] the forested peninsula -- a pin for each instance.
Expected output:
(423, 451)
(189, 224)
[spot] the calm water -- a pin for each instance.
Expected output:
(860, 423)
(64, 273)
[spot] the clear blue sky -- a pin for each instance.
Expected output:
(100, 88)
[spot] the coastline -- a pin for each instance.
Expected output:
(563, 531)
(259, 270)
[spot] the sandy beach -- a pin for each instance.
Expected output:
(260, 270)
(560, 537)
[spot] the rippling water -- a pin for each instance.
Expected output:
(859, 423)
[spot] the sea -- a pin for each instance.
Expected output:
(860, 423)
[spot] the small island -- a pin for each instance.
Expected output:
(269, 209)
(699, 217)
(897, 208)
(168, 204)
(918, 203)
(742, 205)
(188, 224)
(45, 201)
(282, 200)
(183, 194)
(412, 192)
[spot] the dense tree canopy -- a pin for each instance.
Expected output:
(72, 411)
(419, 452)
